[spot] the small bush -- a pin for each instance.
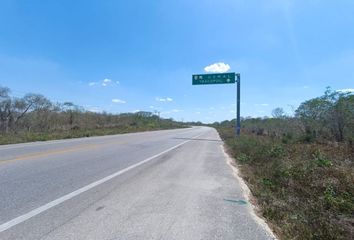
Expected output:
(243, 158)
(321, 160)
(308, 137)
(287, 138)
(276, 151)
(267, 182)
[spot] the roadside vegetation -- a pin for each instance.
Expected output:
(300, 169)
(35, 118)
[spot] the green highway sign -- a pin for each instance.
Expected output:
(221, 78)
(218, 78)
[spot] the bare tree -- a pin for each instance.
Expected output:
(5, 108)
(278, 113)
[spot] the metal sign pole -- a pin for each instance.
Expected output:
(238, 102)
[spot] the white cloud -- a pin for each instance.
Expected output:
(217, 68)
(119, 101)
(262, 104)
(346, 90)
(167, 99)
(171, 111)
(104, 83)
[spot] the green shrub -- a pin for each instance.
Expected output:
(321, 160)
(276, 151)
(243, 158)
(287, 138)
(267, 182)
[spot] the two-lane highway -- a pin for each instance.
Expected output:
(171, 184)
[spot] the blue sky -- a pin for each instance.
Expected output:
(123, 56)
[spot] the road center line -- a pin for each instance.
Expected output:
(7, 225)
(58, 151)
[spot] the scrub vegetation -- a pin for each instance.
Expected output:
(35, 118)
(300, 169)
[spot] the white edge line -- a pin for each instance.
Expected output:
(7, 225)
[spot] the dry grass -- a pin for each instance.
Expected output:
(305, 190)
(21, 137)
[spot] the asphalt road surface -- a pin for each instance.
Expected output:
(171, 184)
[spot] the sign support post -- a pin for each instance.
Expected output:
(238, 103)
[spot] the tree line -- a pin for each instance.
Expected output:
(329, 117)
(35, 113)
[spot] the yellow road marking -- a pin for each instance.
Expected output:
(54, 152)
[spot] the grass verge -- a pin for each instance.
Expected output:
(23, 137)
(305, 191)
